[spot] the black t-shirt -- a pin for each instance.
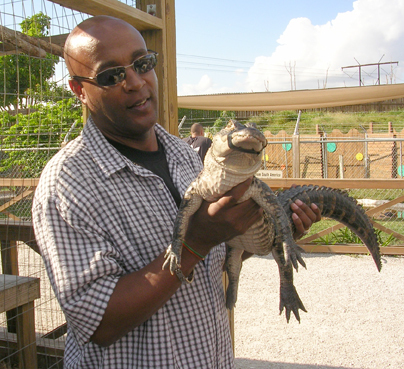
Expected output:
(155, 161)
(200, 144)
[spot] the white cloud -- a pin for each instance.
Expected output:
(310, 56)
(203, 87)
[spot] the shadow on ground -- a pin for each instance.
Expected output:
(258, 364)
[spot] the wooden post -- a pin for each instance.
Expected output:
(164, 42)
(296, 156)
(19, 293)
(9, 263)
(341, 166)
(26, 340)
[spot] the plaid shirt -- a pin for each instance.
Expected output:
(97, 216)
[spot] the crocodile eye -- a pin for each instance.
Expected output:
(251, 124)
(230, 125)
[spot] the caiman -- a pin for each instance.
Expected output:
(235, 155)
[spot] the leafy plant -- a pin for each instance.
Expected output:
(346, 236)
(30, 140)
(21, 73)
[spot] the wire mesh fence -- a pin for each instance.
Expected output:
(39, 115)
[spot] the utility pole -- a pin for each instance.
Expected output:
(369, 65)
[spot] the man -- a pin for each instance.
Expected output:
(198, 141)
(103, 215)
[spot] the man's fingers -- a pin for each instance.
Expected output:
(234, 195)
(316, 211)
(306, 213)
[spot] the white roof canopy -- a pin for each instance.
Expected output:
(293, 100)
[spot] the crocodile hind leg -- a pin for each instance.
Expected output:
(289, 298)
(233, 267)
(267, 199)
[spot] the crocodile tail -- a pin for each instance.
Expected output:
(337, 205)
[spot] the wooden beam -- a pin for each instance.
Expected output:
(351, 249)
(387, 230)
(19, 182)
(16, 291)
(322, 233)
(13, 36)
(369, 183)
(140, 20)
(16, 199)
(385, 206)
(56, 39)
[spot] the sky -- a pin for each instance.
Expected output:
(265, 45)
(231, 46)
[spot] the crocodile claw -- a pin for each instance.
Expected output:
(290, 301)
(293, 255)
(171, 259)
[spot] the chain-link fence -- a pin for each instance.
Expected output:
(330, 145)
(38, 115)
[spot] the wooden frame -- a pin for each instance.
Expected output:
(18, 293)
(159, 33)
(347, 184)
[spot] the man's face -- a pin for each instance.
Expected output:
(127, 110)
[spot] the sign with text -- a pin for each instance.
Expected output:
(268, 174)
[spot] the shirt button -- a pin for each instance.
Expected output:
(160, 186)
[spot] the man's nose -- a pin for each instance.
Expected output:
(133, 80)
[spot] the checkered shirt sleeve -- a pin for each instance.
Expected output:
(97, 216)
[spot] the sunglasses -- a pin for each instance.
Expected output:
(115, 75)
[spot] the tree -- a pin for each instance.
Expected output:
(22, 74)
(222, 121)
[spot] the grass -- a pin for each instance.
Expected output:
(286, 120)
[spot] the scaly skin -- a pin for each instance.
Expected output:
(234, 157)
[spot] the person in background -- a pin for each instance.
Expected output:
(103, 216)
(198, 141)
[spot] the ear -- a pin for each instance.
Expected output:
(78, 89)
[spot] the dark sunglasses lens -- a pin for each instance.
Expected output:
(111, 77)
(145, 64)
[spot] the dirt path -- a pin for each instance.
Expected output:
(355, 315)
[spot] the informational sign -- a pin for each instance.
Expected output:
(287, 146)
(331, 146)
(268, 174)
(400, 170)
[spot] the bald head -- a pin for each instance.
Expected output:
(196, 130)
(88, 40)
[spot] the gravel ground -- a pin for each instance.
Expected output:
(354, 317)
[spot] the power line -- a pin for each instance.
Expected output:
(360, 66)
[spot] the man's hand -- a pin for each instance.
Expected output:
(303, 217)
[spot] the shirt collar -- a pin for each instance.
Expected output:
(110, 160)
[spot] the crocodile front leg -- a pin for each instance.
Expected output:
(289, 298)
(189, 205)
(265, 197)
